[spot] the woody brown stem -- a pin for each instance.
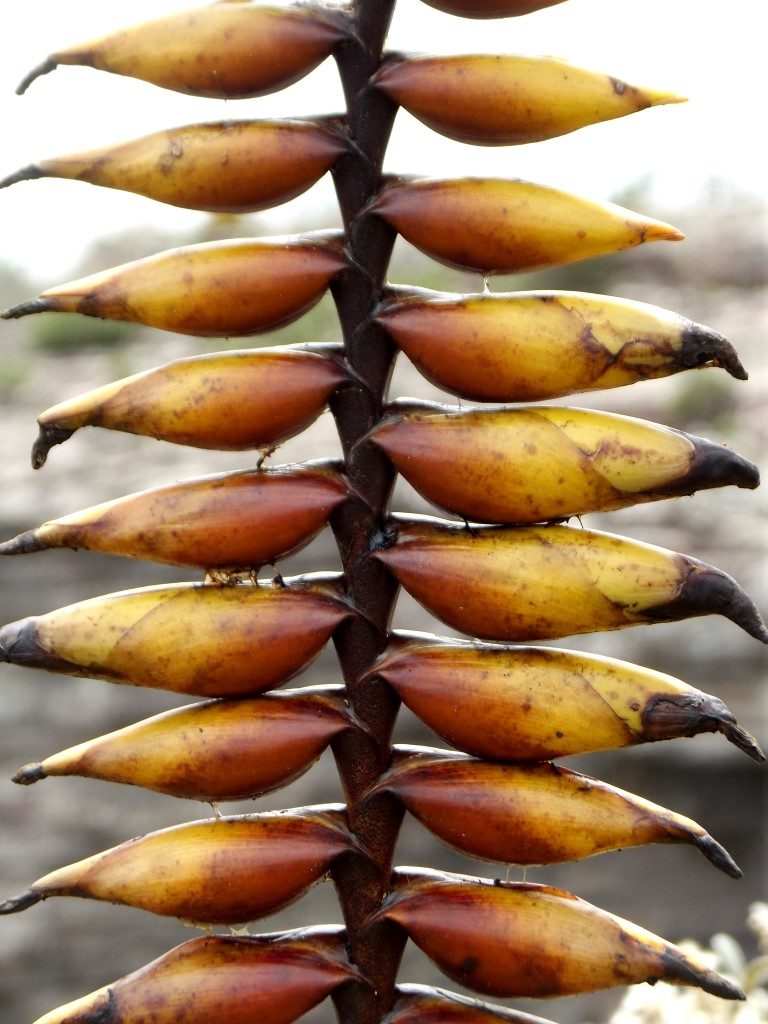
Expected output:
(370, 354)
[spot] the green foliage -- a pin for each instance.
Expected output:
(704, 399)
(63, 333)
(13, 373)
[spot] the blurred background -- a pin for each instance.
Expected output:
(697, 165)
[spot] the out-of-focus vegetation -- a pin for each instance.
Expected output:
(61, 333)
(705, 402)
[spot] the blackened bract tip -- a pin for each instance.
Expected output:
(706, 590)
(23, 544)
(745, 614)
(679, 968)
(28, 173)
(43, 68)
(47, 438)
(715, 465)
(31, 306)
(742, 739)
(29, 774)
(688, 714)
(735, 367)
(718, 855)
(8, 636)
(701, 346)
(18, 903)
(18, 643)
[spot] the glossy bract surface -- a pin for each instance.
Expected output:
(532, 813)
(528, 346)
(505, 226)
(211, 641)
(219, 750)
(538, 703)
(498, 100)
(228, 401)
(223, 50)
(536, 583)
(219, 167)
(230, 521)
(274, 979)
(222, 871)
(213, 290)
(533, 941)
(540, 464)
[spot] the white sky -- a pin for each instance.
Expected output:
(713, 52)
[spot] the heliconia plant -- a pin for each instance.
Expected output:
(520, 575)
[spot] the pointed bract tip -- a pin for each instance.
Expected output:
(29, 774)
(717, 855)
(38, 305)
(48, 438)
(659, 231)
(701, 346)
(673, 715)
(679, 968)
(18, 903)
(96, 1008)
(25, 543)
(742, 610)
(28, 173)
(706, 590)
(658, 97)
(714, 465)
(43, 68)
(742, 739)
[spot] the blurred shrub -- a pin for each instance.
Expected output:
(705, 400)
(63, 333)
(13, 373)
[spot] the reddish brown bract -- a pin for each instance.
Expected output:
(275, 978)
(227, 522)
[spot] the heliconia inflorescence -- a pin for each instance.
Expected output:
(521, 575)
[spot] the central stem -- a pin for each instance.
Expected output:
(370, 354)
